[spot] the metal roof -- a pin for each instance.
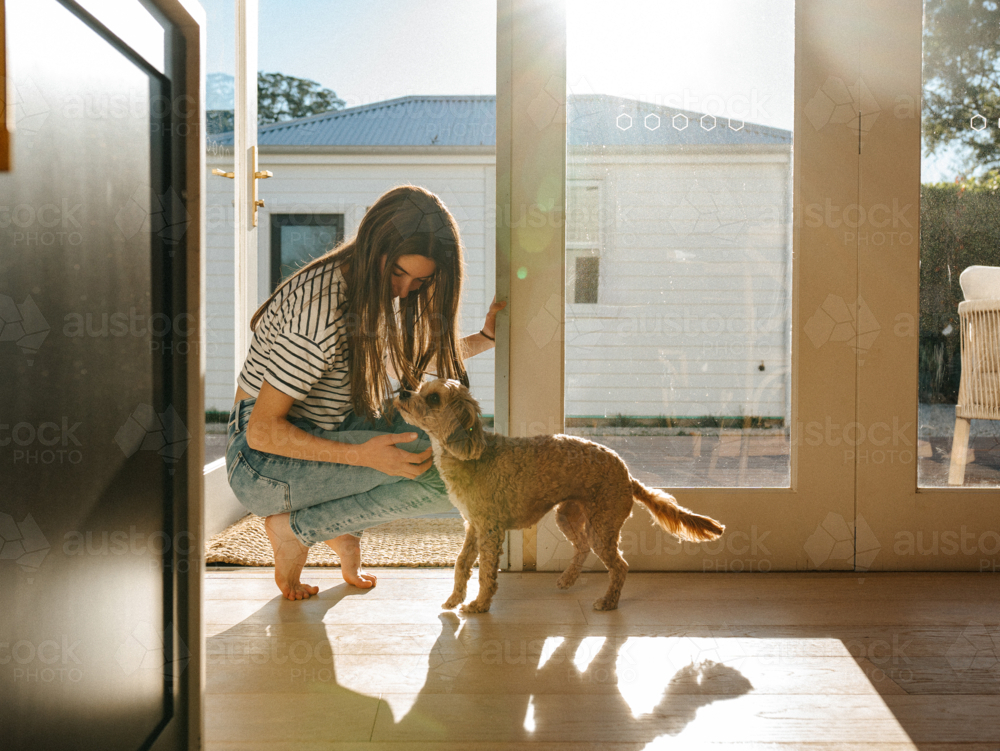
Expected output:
(595, 120)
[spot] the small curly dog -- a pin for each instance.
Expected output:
(501, 483)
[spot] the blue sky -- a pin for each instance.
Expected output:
(369, 50)
(726, 57)
(378, 49)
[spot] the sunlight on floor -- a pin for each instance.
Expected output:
(781, 660)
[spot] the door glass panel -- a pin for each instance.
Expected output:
(679, 239)
(220, 311)
(959, 361)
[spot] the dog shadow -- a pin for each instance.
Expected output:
(585, 688)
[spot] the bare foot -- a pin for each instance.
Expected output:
(347, 547)
(289, 558)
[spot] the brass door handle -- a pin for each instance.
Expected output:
(220, 173)
(257, 175)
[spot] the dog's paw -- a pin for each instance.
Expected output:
(475, 607)
(565, 582)
(452, 602)
(606, 603)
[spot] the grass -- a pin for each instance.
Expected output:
(662, 421)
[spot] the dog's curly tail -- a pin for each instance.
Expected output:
(675, 519)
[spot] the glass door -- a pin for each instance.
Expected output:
(711, 324)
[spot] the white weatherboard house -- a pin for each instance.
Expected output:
(678, 241)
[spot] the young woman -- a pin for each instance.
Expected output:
(314, 443)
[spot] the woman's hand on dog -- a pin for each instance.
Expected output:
(381, 453)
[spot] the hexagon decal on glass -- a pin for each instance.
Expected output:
(683, 122)
(624, 121)
(732, 125)
(708, 122)
(978, 122)
(652, 121)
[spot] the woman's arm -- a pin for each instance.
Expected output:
(485, 338)
(269, 431)
(474, 344)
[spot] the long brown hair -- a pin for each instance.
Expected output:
(406, 220)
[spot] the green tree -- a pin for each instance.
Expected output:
(281, 97)
(962, 77)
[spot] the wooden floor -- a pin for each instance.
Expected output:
(690, 661)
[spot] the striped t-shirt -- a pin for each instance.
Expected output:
(300, 348)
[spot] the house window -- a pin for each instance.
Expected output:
(296, 239)
(583, 241)
(587, 270)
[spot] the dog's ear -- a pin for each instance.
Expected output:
(467, 440)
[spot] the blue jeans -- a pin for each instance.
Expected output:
(327, 499)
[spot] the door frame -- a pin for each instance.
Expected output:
(187, 728)
(913, 528)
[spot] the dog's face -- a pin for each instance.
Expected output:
(448, 413)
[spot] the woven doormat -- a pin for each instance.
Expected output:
(406, 542)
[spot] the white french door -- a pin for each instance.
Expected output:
(772, 522)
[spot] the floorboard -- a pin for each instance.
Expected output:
(824, 662)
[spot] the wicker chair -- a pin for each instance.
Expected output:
(979, 389)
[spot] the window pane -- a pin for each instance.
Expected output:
(297, 239)
(586, 280)
(679, 237)
(959, 220)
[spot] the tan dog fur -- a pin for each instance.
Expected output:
(500, 483)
